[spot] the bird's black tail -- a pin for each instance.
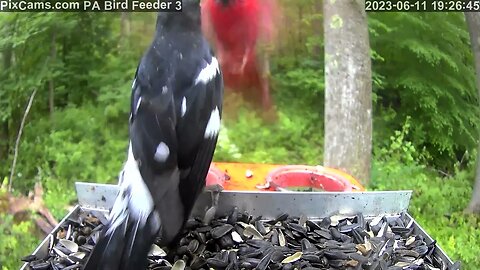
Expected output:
(125, 247)
(125, 241)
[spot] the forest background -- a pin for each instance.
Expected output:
(425, 112)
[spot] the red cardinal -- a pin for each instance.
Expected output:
(242, 31)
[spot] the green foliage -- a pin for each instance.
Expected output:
(82, 139)
(293, 139)
(17, 241)
(437, 202)
(59, 196)
(427, 71)
(399, 148)
(44, 48)
(91, 96)
(226, 150)
(416, 72)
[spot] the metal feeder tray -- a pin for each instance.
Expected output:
(314, 205)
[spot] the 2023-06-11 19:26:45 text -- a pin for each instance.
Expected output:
(422, 5)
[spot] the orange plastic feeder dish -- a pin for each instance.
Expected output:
(315, 178)
(216, 177)
(269, 177)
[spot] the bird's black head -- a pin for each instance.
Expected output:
(189, 17)
(225, 3)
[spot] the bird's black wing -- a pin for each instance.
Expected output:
(198, 129)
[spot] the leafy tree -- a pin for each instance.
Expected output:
(424, 71)
(47, 51)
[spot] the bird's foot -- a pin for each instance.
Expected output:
(244, 60)
(214, 188)
(215, 193)
(235, 65)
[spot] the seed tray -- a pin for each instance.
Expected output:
(269, 205)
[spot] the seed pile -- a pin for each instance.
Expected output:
(242, 241)
(71, 244)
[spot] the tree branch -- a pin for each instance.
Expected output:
(15, 155)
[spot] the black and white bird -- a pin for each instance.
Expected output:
(176, 108)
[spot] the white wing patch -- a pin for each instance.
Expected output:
(133, 83)
(208, 73)
(213, 126)
(134, 197)
(138, 105)
(184, 106)
(162, 152)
